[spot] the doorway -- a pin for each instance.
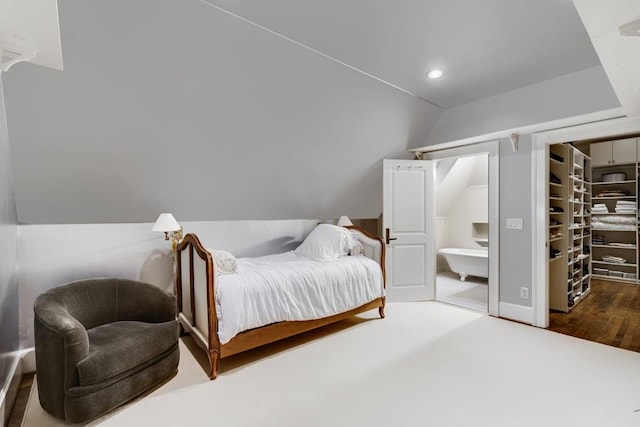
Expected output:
(462, 231)
(474, 229)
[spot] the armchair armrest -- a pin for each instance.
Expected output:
(61, 342)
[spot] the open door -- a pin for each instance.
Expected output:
(408, 221)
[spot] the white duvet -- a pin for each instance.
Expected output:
(287, 286)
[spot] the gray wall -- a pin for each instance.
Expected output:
(516, 252)
(176, 106)
(8, 267)
(574, 94)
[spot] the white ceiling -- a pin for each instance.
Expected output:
(620, 55)
(486, 47)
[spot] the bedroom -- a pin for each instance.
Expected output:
(130, 113)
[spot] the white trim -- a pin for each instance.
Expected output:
(539, 270)
(10, 387)
(552, 126)
(516, 312)
(29, 360)
(493, 149)
(612, 128)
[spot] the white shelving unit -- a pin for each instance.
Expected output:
(569, 207)
(615, 233)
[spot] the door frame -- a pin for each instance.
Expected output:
(492, 148)
(611, 128)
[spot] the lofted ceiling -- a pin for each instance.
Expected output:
(486, 47)
(618, 52)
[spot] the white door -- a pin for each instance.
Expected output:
(408, 221)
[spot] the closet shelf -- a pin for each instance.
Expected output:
(617, 264)
(574, 197)
(613, 213)
(613, 197)
(615, 247)
(614, 182)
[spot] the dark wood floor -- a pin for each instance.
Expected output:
(20, 405)
(610, 315)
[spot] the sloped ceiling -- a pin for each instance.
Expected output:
(619, 54)
(486, 47)
(169, 106)
(246, 109)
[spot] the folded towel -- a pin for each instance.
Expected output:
(614, 259)
(225, 262)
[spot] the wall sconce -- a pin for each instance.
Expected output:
(344, 221)
(168, 224)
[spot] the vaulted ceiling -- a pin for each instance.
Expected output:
(485, 47)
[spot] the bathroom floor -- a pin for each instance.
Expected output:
(473, 293)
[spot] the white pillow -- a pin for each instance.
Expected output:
(326, 241)
(357, 249)
(225, 262)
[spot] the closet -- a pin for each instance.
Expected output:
(614, 211)
(569, 222)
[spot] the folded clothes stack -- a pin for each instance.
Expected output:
(614, 259)
(599, 208)
(597, 239)
(626, 206)
(611, 222)
(613, 193)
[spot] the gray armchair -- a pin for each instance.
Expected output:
(100, 343)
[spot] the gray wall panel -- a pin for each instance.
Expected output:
(8, 269)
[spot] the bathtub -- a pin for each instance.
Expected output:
(467, 262)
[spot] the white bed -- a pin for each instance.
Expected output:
(272, 297)
(284, 287)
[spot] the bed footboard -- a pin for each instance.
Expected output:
(195, 289)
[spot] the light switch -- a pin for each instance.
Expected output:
(514, 223)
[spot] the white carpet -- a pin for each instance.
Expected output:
(425, 364)
(473, 293)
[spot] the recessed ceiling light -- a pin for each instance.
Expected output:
(435, 74)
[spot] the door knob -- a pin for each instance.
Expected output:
(388, 237)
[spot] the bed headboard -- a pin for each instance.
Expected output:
(373, 247)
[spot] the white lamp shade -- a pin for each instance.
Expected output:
(344, 221)
(166, 222)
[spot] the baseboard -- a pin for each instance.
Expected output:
(516, 312)
(29, 360)
(9, 390)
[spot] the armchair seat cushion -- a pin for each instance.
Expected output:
(119, 347)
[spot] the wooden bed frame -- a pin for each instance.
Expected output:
(195, 268)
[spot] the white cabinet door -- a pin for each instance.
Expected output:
(624, 151)
(408, 222)
(601, 153)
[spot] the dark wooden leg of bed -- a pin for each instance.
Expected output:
(381, 310)
(214, 359)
